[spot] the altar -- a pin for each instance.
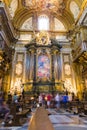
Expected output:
(43, 64)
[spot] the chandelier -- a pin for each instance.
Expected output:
(44, 5)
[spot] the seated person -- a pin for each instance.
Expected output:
(15, 98)
(4, 109)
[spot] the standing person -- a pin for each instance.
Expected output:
(65, 100)
(15, 98)
(70, 97)
(40, 100)
(48, 100)
(57, 100)
(43, 99)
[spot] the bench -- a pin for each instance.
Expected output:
(20, 115)
(17, 115)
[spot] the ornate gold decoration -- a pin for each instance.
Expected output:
(69, 86)
(17, 87)
(42, 38)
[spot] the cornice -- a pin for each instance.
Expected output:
(6, 24)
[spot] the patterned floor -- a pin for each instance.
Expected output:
(60, 120)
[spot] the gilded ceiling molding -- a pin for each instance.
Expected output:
(7, 2)
(69, 16)
(20, 17)
(78, 2)
(84, 5)
(66, 20)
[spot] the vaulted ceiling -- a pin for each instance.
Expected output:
(67, 11)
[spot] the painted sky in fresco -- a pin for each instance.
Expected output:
(43, 67)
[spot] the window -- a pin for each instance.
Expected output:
(43, 22)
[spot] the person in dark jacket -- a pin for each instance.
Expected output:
(65, 100)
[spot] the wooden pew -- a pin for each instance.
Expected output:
(21, 115)
(17, 115)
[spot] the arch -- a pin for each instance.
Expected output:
(67, 19)
(23, 14)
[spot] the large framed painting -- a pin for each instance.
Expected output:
(43, 68)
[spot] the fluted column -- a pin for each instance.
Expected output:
(34, 65)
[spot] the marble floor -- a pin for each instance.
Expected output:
(61, 120)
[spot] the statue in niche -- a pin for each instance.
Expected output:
(67, 69)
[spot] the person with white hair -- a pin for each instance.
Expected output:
(57, 100)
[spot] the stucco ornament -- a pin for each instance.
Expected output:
(42, 38)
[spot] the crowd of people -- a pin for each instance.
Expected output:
(56, 101)
(47, 100)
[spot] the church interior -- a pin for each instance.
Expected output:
(43, 47)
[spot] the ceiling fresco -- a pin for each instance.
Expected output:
(54, 6)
